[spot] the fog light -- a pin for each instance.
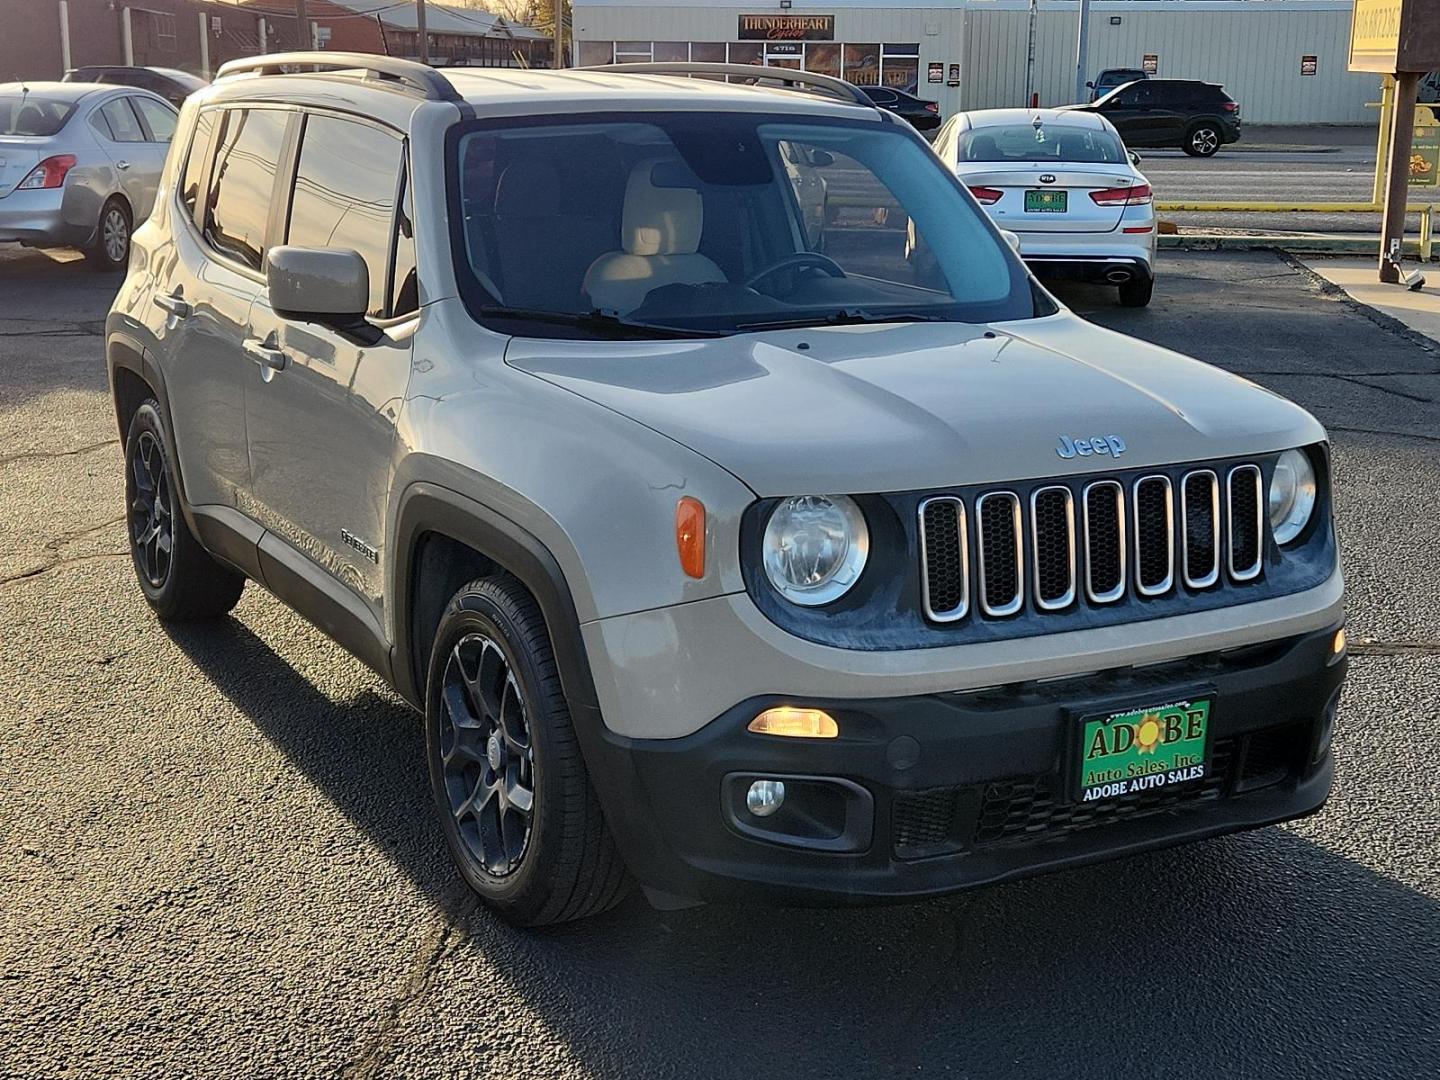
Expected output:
(1338, 645)
(765, 797)
(796, 723)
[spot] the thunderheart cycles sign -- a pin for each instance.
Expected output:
(787, 27)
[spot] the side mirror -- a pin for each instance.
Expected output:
(1091, 85)
(1011, 238)
(1134, 158)
(330, 286)
(821, 158)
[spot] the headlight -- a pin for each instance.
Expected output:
(815, 547)
(1292, 495)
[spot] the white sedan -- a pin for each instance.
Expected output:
(1065, 184)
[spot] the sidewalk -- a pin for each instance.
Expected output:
(1303, 138)
(1420, 311)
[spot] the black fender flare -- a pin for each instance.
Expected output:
(426, 507)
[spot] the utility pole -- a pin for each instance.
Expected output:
(303, 40)
(1082, 50)
(1030, 57)
(559, 61)
(1397, 177)
(422, 35)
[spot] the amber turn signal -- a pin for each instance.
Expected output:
(690, 535)
(796, 723)
(1338, 645)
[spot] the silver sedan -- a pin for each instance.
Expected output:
(79, 165)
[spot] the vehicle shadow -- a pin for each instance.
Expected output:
(1259, 955)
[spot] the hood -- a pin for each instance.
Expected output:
(925, 405)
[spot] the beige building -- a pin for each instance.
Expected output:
(1283, 60)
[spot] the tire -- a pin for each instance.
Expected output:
(1137, 293)
(111, 248)
(492, 669)
(179, 578)
(1202, 140)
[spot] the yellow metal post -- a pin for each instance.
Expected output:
(1426, 234)
(1382, 148)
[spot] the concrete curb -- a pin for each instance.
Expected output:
(1298, 245)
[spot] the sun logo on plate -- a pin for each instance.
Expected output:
(1147, 734)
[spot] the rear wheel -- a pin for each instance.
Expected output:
(111, 247)
(1136, 293)
(178, 577)
(515, 801)
(1202, 140)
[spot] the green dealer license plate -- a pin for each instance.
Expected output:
(1143, 749)
(1045, 201)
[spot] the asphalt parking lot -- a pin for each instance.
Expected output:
(217, 852)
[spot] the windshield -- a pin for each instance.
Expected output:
(1046, 142)
(718, 222)
(26, 114)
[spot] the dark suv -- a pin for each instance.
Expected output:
(170, 83)
(1198, 117)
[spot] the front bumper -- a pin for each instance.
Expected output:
(933, 793)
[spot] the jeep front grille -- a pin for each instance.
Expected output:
(1092, 542)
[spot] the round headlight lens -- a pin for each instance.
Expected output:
(815, 547)
(1292, 495)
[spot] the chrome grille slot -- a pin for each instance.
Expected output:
(1200, 528)
(944, 559)
(1103, 514)
(1154, 512)
(1000, 553)
(1245, 506)
(1052, 537)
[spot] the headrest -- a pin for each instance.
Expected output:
(528, 188)
(660, 220)
(983, 148)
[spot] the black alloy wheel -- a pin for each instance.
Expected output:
(486, 755)
(152, 511)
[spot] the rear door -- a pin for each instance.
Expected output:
(1172, 105)
(136, 159)
(322, 430)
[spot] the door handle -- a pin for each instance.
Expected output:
(174, 304)
(271, 359)
(122, 165)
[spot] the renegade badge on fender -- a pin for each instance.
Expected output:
(724, 548)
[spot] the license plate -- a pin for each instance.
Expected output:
(1045, 201)
(1140, 750)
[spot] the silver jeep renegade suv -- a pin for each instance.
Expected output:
(723, 548)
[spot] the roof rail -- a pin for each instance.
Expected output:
(810, 80)
(419, 77)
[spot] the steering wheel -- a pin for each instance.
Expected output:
(812, 260)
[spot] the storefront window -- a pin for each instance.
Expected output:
(747, 52)
(708, 52)
(900, 68)
(633, 52)
(823, 59)
(672, 50)
(862, 64)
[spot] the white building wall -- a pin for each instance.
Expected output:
(1253, 47)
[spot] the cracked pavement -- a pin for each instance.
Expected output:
(217, 852)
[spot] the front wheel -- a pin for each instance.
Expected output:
(111, 247)
(515, 801)
(1136, 293)
(178, 577)
(1202, 140)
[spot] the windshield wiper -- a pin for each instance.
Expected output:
(596, 319)
(846, 317)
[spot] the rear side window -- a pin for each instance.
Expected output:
(160, 119)
(346, 183)
(195, 162)
(119, 121)
(242, 183)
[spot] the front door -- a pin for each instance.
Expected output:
(322, 426)
(1131, 111)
